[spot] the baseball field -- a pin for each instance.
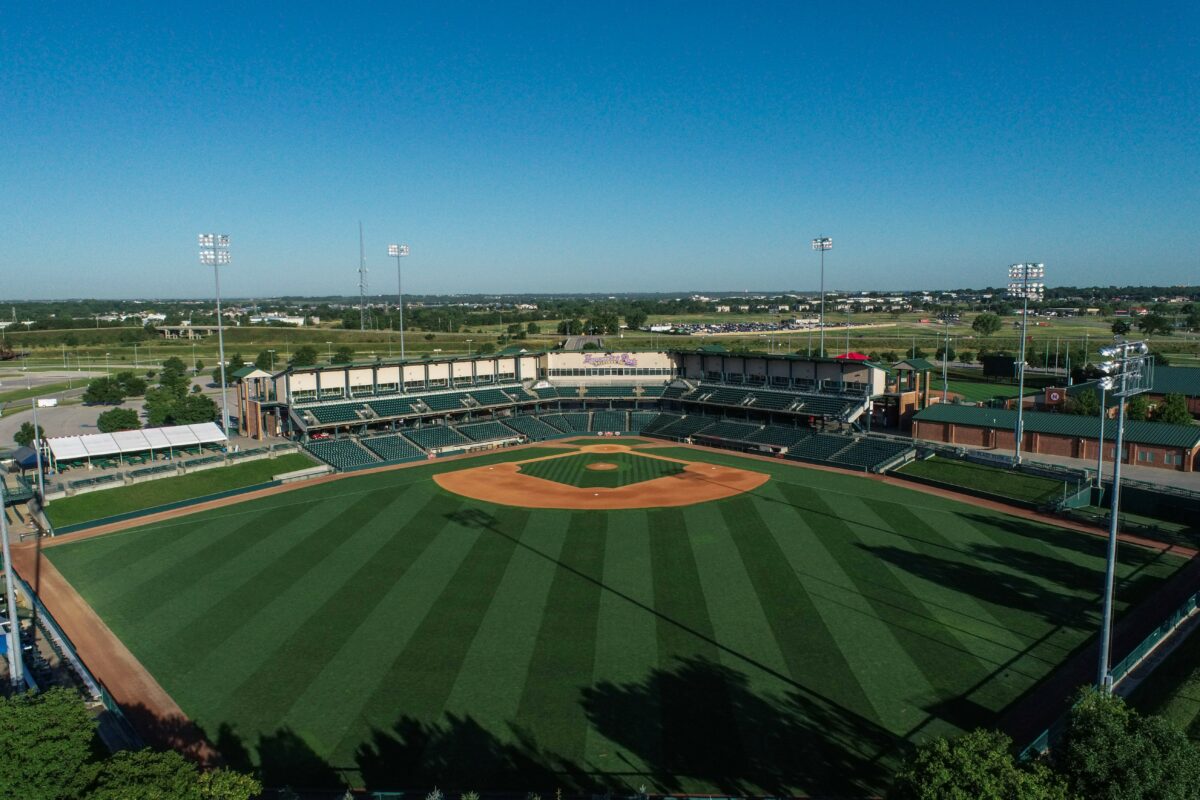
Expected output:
(796, 636)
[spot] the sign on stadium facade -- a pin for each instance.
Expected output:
(610, 360)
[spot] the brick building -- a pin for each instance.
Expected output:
(1147, 444)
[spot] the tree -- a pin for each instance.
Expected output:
(1174, 410)
(889, 356)
(1109, 751)
(103, 391)
(946, 353)
(233, 365)
(131, 385)
(118, 419)
(1138, 408)
(199, 367)
(570, 327)
(975, 766)
(486, 348)
(515, 328)
(966, 356)
(1120, 327)
(26, 434)
(533, 329)
(986, 324)
(1086, 403)
(1153, 324)
(343, 355)
(603, 322)
(46, 740)
(636, 319)
(264, 360)
(305, 356)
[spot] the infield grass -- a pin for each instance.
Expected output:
(796, 639)
(580, 470)
(123, 499)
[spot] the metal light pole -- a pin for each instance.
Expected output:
(1022, 284)
(329, 351)
(1100, 455)
(37, 440)
(16, 667)
(399, 251)
(821, 244)
(214, 250)
(1128, 373)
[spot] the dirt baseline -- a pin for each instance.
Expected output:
(505, 485)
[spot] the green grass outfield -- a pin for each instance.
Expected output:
(1174, 689)
(796, 639)
(982, 478)
(110, 502)
(573, 470)
(977, 391)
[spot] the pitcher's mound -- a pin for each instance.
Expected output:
(601, 466)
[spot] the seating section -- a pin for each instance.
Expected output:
(819, 447)
(870, 454)
(640, 419)
(675, 392)
(567, 423)
(341, 454)
(435, 437)
(779, 435)
(490, 397)
(723, 395)
(685, 426)
(344, 412)
(392, 407)
(775, 401)
(652, 391)
(599, 392)
(609, 421)
(569, 392)
(533, 428)
(393, 448)
(547, 393)
(486, 431)
(727, 429)
(824, 405)
(445, 402)
(659, 422)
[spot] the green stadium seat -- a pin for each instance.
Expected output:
(393, 448)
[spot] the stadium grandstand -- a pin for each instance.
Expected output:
(353, 416)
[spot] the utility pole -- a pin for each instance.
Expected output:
(362, 281)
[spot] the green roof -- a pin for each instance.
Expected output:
(244, 371)
(1137, 432)
(918, 364)
(1177, 380)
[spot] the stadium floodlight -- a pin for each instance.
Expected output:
(821, 244)
(1128, 373)
(1024, 282)
(16, 667)
(399, 251)
(214, 251)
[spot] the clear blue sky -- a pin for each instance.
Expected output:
(596, 147)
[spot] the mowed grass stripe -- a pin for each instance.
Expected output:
(331, 712)
(257, 638)
(495, 669)
(307, 548)
(811, 653)
(239, 588)
(946, 666)
(626, 650)
(984, 618)
(689, 659)
(865, 642)
(564, 655)
(933, 568)
(334, 607)
(124, 593)
(418, 682)
(96, 559)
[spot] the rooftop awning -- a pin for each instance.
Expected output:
(69, 448)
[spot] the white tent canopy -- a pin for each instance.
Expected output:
(94, 445)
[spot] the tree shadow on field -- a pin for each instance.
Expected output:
(701, 722)
(456, 753)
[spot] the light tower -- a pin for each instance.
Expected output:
(362, 281)
(1024, 281)
(1129, 370)
(399, 251)
(214, 250)
(821, 244)
(16, 667)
